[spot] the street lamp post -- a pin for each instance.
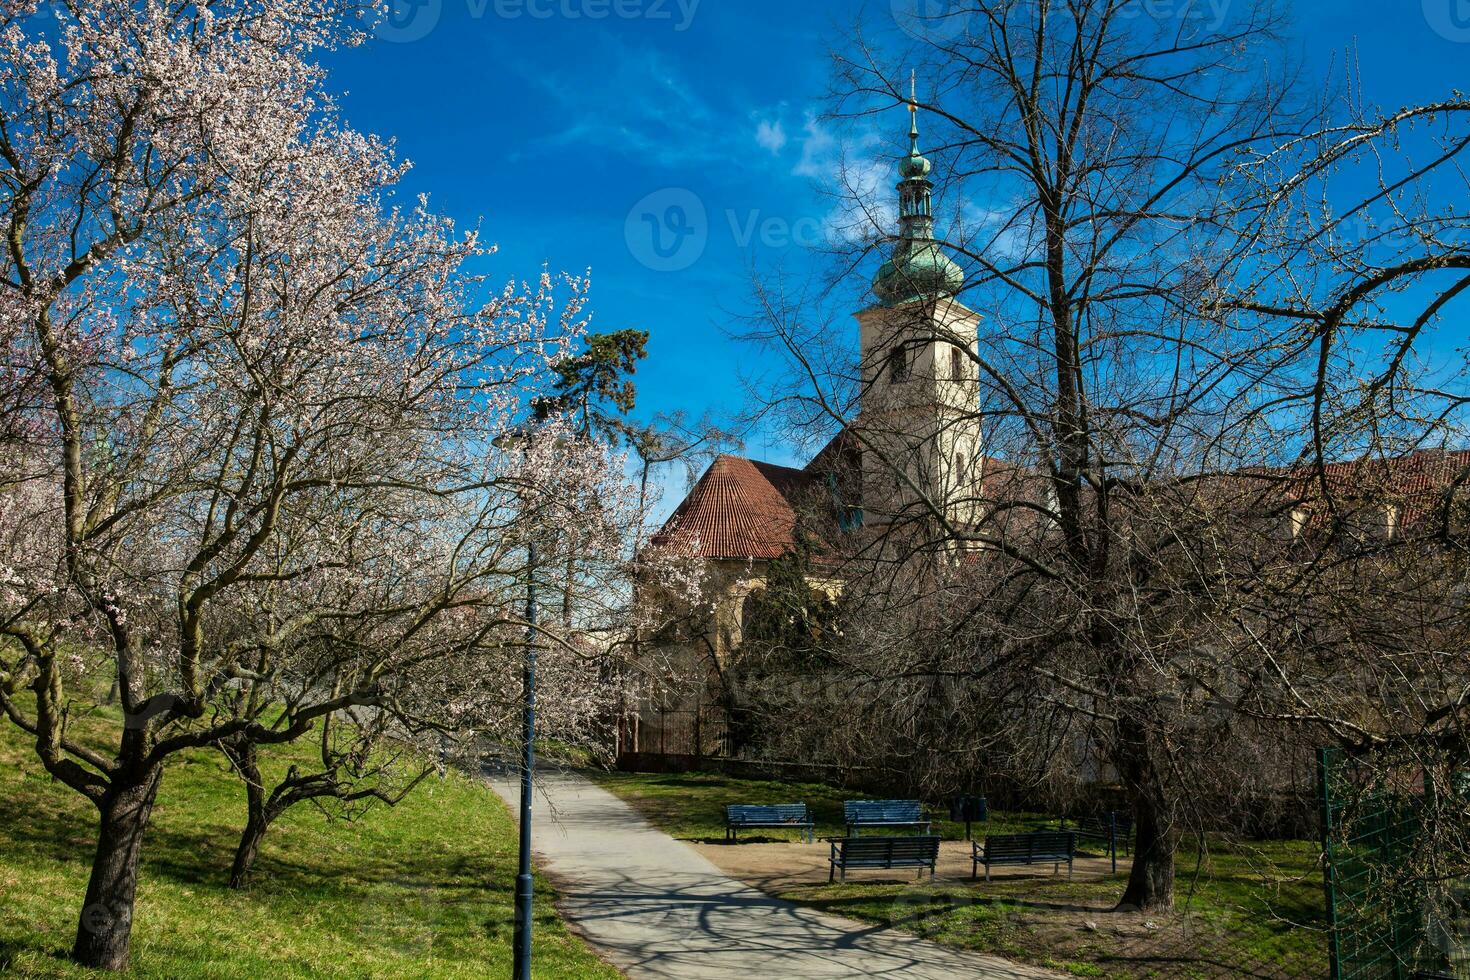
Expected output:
(528, 765)
(521, 970)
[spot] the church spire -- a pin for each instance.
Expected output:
(913, 114)
(918, 267)
(915, 192)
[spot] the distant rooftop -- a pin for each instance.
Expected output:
(740, 508)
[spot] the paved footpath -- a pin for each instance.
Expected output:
(658, 910)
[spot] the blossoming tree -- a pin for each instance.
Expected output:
(260, 488)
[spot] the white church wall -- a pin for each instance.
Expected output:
(920, 419)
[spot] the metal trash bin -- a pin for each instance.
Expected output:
(970, 809)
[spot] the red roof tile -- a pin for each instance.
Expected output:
(743, 508)
(740, 508)
(1420, 488)
(1417, 483)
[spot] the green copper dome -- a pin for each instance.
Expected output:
(914, 166)
(919, 268)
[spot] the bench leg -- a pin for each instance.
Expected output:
(974, 870)
(987, 872)
(831, 871)
(1069, 870)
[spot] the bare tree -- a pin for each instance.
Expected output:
(1090, 147)
(1205, 348)
(370, 765)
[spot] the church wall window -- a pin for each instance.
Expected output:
(898, 366)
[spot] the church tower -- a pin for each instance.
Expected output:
(918, 413)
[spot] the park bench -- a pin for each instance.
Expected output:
(884, 852)
(740, 816)
(858, 814)
(1112, 828)
(1042, 847)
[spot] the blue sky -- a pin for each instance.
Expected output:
(551, 122)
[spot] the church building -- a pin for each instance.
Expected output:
(913, 452)
(914, 457)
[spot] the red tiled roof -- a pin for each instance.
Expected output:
(743, 508)
(1418, 487)
(740, 508)
(1417, 483)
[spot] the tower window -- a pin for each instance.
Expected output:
(898, 366)
(961, 470)
(956, 364)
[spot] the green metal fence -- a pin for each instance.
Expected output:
(1388, 920)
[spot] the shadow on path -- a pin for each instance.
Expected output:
(659, 909)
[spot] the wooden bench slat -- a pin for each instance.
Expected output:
(883, 852)
(891, 811)
(768, 815)
(884, 813)
(1111, 828)
(1099, 826)
(784, 812)
(1042, 847)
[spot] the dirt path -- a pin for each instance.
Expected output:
(776, 867)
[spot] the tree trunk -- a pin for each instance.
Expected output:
(1151, 879)
(1156, 835)
(568, 592)
(244, 756)
(105, 929)
(245, 854)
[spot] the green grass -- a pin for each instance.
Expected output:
(1243, 909)
(422, 890)
(691, 806)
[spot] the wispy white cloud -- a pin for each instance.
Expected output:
(643, 106)
(771, 135)
(857, 172)
(994, 229)
(820, 151)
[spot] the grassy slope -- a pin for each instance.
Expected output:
(423, 890)
(1250, 911)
